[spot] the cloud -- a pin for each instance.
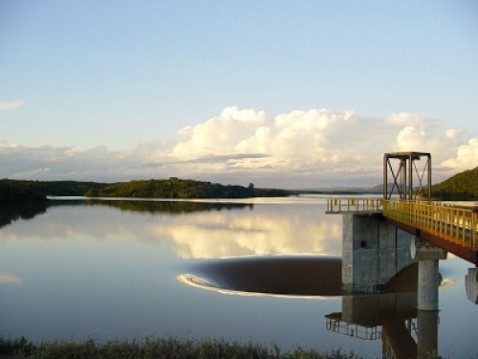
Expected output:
(302, 148)
(12, 105)
(466, 156)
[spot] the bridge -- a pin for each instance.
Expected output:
(382, 236)
(408, 205)
(447, 225)
(385, 240)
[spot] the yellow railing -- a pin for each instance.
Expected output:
(456, 224)
(453, 223)
(339, 205)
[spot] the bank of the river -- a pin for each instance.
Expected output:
(154, 348)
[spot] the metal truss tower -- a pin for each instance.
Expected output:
(406, 180)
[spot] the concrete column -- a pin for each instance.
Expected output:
(427, 256)
(428, 283)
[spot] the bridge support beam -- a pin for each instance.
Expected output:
(427, 256)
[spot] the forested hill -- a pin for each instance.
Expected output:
(181, 188)
(32, 191)
(461, 187)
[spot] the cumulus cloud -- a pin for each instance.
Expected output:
(466, 156)
(12, 105)
(302, 148)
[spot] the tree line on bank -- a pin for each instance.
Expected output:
(181, 188)
(28, 191)
(460, 187)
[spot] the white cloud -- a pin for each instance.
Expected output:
(12, 105)
(466, 156)
(312, 148)
(218, 135)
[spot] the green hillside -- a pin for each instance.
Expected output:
(461, 187)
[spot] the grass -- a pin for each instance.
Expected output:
(155, 348)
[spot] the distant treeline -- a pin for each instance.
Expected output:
(462, 186)
(181, 188)
(31, 191)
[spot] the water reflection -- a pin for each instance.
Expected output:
(193, 229)
(11, 212)
(471, 285)
(10, 278)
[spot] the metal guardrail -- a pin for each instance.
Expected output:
(454, 223)
(340, 205)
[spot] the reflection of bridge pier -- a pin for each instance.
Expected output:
(471, 282)
(391, 317)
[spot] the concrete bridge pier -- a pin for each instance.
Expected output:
(372, 252)
(427, 256)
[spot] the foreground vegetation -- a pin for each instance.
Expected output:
(155, 348)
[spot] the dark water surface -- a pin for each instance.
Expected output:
(266, 270)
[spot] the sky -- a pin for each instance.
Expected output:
(291, 94)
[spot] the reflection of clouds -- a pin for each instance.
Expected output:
(267, 229)
(252, 233)
(10, 278)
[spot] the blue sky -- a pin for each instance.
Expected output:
(289, 92)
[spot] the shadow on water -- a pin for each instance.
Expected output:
(280, 275)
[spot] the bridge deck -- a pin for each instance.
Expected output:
(453, 227)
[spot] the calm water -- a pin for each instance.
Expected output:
(266, 270)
